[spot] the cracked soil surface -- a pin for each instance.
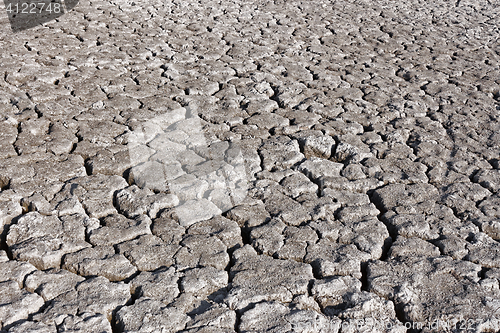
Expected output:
(228, 166)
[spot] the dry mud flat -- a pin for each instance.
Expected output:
(252, 166)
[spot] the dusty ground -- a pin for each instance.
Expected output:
(252, 166)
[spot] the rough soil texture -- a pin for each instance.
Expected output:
(252, 166)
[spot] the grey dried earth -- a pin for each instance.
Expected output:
(252, 166)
